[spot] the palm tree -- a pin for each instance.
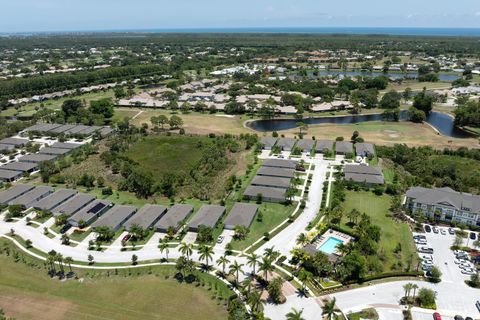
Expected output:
(271, 253)
(186, 249)
(164, 247)
(414, 287)
(59, 259)
(223, 261)
(252, 262)
(51, 263)
(254, 300)
(302, 239)
(407, 287)
(329, 309)
(206, 253)
(69, 260)
(304, 276)
(236, 268)
(266, 265)
(294, 314)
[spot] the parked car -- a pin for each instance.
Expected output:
(468, 318)
(427, 267)
(437, 316)
(435, 230)
(428, 228)
(451, 231)
(473, 236)
(421, 241)
(457, 317)
(469, 271)
(459, 261)
(419, 236)
(220, 239)
(425, 250)
(477, 304)
(126, 238)
(65, 228)
(426, 257)
(443, 232)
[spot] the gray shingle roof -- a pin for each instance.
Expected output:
(268, 142)
(17, 142)
(61, 128)
(115, 217)
(266, 181)
(74, 204)
(29, 198)
(6, 147)
(286, 143)
(13, 192)
(20, 166)
(344, 147)
(279, 163)
(364, 149)
(276, 172)
(53, 151)
(266, 192)
(362, 173)
(37, 158)
(55, 199)
(8, 175)
(208, 215)
(65, 145)
(146, 217)
(305, 145)
(445, 196)
(174, 215)
(324, 144)
(241, 214)
(89, 212)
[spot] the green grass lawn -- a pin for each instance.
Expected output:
(393, 233)
(26, 292)
(163, 154)
(273, 215)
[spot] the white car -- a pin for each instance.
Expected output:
(465, 266)
(220, 239)
(443, 232)
(469, 271)
(426, 257)
(459, 261)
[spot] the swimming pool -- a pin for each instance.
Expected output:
(330, 245)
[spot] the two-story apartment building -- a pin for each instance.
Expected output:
(444, 204)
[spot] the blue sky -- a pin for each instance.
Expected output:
(64, 15)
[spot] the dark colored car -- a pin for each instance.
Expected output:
(126, 238)
(473, 236)
(428, 228)
(65, 228)
(468, 318)
(451, 231)
(437, 316)
(457, 317)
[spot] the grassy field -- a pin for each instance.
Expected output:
(162, 154)
(27, 293)
(393, 233)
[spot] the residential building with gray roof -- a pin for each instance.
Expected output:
(267, 143)
(364, 149)
(343, 147)
(37, 157)
(88, 213)
(115, 217)
(20, 166)
(55, 199)
(274, 182)
(175, 215)
(323, 145)
(9, 175)
(31, 197)
(286, 144)
(268, 194)
(445, 204)
(146, 217)
(363, 174)
(54, 151)
(73, 205)
(276, 172)
(280, 163)
(305, 145)
(208, 215)
(14, 192)
(241, 214)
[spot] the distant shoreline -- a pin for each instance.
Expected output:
(386, 31)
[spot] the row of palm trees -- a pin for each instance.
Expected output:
(329, 311)
(408, 287)
(55, 258)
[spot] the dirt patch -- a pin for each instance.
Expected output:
(23, 306)
(392, 133)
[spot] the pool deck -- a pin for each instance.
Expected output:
(332, 234)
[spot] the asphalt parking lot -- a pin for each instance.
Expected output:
(443, 257)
